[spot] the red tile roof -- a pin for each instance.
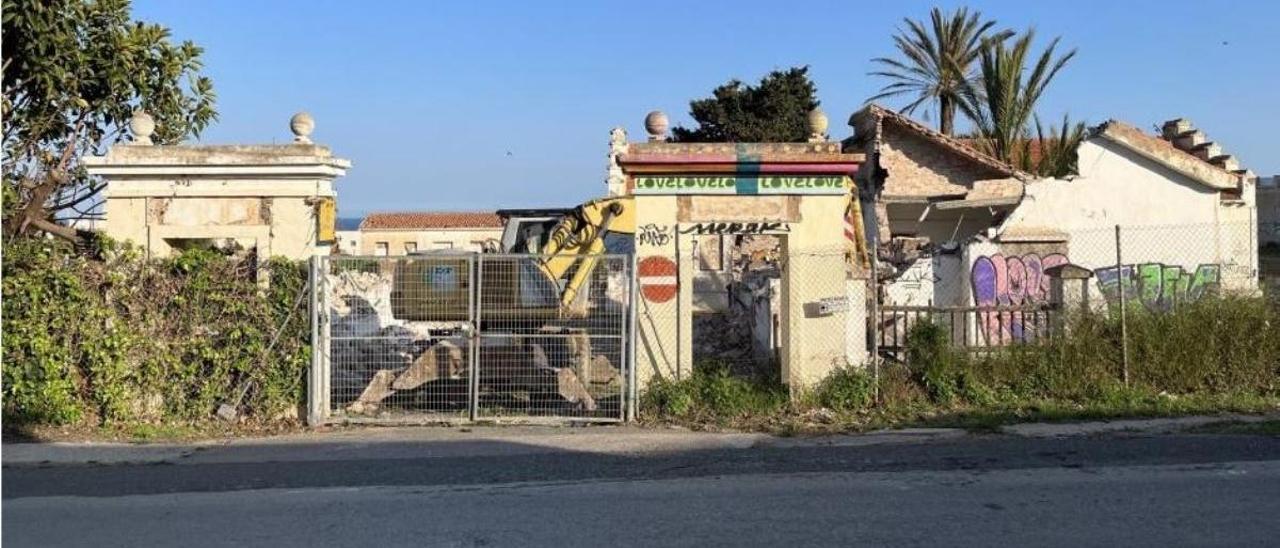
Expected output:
(418, 220)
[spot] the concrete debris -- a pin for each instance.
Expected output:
(227, 413)
(742, 333)
(379, 387)
(570, 388)
(442, 360)
(602, 371)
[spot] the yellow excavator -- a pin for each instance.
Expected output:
(553, 281)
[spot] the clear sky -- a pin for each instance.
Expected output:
(480, 105)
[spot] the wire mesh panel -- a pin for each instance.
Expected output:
(459, 336)
(553, 335)
(398, 336)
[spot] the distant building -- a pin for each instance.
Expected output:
(348, 236)
(1269, 210)
(401, 233)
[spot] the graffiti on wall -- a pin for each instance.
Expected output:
(653, 234)
(1013, 280)
(765, 227)
(1158, 286)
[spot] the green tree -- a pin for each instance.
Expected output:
(74, 71)
(776, 110)
(937, 62)
(1003, 99)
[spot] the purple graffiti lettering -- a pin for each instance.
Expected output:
(1011, 281)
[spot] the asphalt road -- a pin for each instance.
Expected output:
(1166, 490)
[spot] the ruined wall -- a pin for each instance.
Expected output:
(918, 167)
(1166, 218)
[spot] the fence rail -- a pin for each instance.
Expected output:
(969, 328)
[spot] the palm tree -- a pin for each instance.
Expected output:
(1002, 100)
(1052, 153)
(937, 61)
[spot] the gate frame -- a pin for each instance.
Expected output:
(320, 372)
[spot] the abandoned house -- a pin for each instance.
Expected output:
(956, 227)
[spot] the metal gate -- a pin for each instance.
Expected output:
(446, 337)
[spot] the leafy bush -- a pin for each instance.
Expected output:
(935, 364)
(122, 339)
(847, 389)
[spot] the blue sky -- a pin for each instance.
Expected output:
(427, 98)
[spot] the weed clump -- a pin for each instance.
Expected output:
(713, 393)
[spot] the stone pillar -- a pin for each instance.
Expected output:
(1069, 286)
(797, 192)
(265, 197)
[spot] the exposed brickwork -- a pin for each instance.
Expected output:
(919, 167)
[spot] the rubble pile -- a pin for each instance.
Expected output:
(741, 336)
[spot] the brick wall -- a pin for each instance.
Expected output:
(918, 167)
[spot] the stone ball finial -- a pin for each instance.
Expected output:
(656, 124)
(818, 124)
(302, 124)
(142, 125)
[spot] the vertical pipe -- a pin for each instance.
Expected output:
(474, 304)
(1124, 316)
(315, 413)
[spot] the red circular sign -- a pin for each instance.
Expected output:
(657, 279)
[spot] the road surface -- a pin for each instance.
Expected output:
(1129, 490)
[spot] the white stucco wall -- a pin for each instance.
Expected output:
(1165, 217)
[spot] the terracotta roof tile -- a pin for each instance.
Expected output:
(416, 220)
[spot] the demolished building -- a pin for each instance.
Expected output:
(956, 227)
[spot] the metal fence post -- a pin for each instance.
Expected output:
(476, 302)
(633, 391)
(315, 411)
(1124, 316)
(874, 325)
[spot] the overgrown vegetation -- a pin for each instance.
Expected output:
(1219, 354)
(123, 340)
(712, 393)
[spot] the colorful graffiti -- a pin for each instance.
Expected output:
(1157, 285)
(1011, 281)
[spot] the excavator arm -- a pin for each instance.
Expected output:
(578, 240)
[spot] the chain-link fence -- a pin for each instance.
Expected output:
(444, 337)
(994, 293)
